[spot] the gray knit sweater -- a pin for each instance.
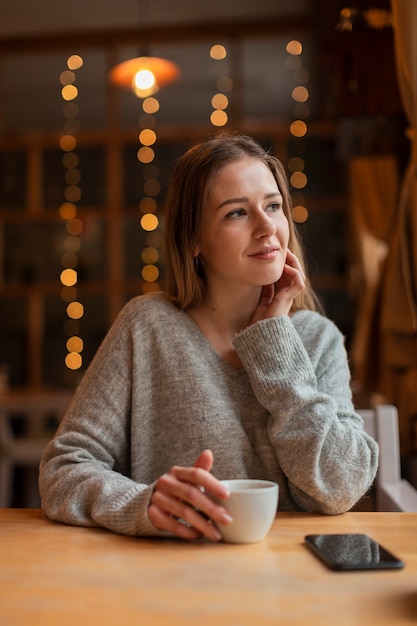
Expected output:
(157, 394)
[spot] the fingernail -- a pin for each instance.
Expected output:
(226, 518)
(215, 535)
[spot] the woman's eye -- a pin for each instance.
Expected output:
(274, 206)
(235, 214)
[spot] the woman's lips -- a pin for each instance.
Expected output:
(267, 254)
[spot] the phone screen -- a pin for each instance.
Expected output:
(352, 552)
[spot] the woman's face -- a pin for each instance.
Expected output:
(244, 234)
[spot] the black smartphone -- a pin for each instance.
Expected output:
(352, 552)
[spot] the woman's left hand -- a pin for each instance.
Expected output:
(180, 504)
(277, 299)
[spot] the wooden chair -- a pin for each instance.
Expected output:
(393, 493)
(35, 412)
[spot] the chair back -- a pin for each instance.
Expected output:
(37, 413)
(393, 493)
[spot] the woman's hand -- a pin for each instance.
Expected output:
(180, 506)
(277, 299)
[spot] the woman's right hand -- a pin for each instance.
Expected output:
(179, 504)
(278, 299)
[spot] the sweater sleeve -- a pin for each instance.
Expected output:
(301, 376)
(84, 471)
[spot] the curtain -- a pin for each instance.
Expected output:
(400, 301)
(398, 314)
(373, 185)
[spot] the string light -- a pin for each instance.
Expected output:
(148, 205)
(298, 128)
(220, 101)
(68, 212)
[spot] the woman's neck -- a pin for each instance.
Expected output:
(220, 318)
(228, 313)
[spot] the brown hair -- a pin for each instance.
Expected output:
(186, 198)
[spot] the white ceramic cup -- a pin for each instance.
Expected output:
(253, 505)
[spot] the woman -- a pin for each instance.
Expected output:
(231, 373)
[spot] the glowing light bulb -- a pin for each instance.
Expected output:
(144, 83)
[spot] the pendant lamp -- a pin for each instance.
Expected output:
(144, 75)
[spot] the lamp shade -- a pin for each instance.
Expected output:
(144, 75)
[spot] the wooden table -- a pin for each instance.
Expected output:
(57, 575)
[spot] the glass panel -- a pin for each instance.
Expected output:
(13, 166)
(91, 168)
(92, 83)
(136, 173)
(268, 79)
(92, 256)
(13, 340)
(339, 307)
(325, 173)
(93, 325)
(33, 251)
(324, 242)
(267, 86)
(134, 243)
(133, 180)
(91, 328)
(30, 80)
(167, 155)
(142, 248)
(54, 340)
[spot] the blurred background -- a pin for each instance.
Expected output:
(84, 162)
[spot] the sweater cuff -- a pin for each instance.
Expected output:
(272, 348)
(128, 515)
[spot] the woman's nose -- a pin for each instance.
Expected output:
(264, 226)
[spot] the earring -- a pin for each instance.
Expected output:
(195, 264)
